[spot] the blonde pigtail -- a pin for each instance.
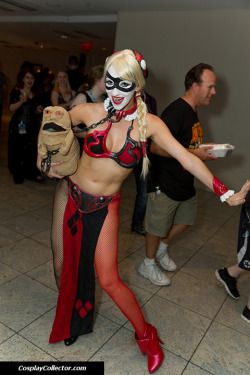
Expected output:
(142, 122)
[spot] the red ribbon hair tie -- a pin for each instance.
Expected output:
(144, 145)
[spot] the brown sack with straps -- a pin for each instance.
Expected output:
(57, 142)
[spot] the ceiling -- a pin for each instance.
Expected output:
(65, 24)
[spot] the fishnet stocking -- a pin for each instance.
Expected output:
(60, 201)
(106, 265)
(106, 262)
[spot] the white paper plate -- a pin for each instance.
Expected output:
(220, 150)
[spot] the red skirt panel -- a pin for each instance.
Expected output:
(76, 300)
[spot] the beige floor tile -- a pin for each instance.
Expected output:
(10, 211)
(5, 333)
(25, 254)
(5, 191)
(223, 351)
(180, 329)
(38, 332)
(19, 349)
(194, 370)
(23, 300)
(229, 315)
(30, 200)
(203, 195)
(221, 250)
(129, 241)
(206, 226)
(228, 233)
(203, 267)
(7, 273)
(193, 238)
(45, 212)
(122, 356)
(125, 214)
(84, 348)
(44, 274)
(28, 223)
(43, 237)
(214, 210)
(8, 236)
(194, 294)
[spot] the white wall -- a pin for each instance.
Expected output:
(173, 42)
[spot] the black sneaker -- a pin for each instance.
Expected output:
(229, 282)
(139, 230)
(246, 314)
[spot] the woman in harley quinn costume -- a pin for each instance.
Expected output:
(85, 214)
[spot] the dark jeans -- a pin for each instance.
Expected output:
(140, 200)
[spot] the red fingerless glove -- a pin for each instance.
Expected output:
(221, 190)
(218, 186)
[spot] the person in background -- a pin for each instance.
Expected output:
(47, 78)
(62, 95)
(76, 78)
(172, 201)
(229, 276)
(93, 91)
(137, 225)
(3, 94)
(23, 128)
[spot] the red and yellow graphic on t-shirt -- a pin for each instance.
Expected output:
(196, 135)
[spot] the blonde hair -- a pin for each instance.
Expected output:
(56, 86)
(127, 67)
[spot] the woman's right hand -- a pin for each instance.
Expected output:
(50, 173)
(22, 97)
(239, 198)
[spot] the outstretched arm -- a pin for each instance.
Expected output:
(200, 152)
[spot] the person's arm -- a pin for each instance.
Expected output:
(81, 113)
(161, 135)
(17, 104)
(54, 98)
(199, 152)
(79, 99)
(155, 149)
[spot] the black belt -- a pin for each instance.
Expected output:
(87, 203)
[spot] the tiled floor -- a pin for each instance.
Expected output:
(199, 323)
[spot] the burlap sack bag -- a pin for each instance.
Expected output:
(57, 142)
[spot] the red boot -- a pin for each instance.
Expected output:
(150, 345)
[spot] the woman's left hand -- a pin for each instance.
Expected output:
(39, 109)
(239, 198)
